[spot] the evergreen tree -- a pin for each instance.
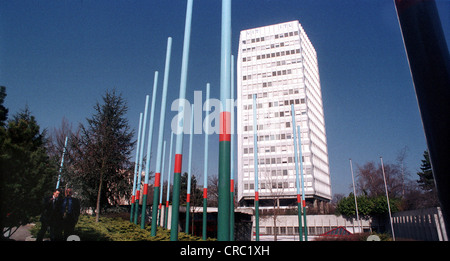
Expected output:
(26, 173)
(426, 183)
(101, 154)
(426, 179)
(196, 193)
(3, 110)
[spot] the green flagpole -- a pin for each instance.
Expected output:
(141, 158)
(223, 217)
(188, 191)
(255, 160)
(179, 140)
(232, 140)
(166, 210)
(303, 184)
(205, 168)
(162, 182)
(136, 164)
(160, 138)
(149, 146)
(297, 159)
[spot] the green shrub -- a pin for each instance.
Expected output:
(118, 229)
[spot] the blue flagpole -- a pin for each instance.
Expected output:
(255, 160)
(161, 136)
(141, 157)
(179, 140)
(166, 210)
(299, 206)
(188, 191)
(136, 164)
(62, 163)
(162, 182)
(205, 167)
(149, 148)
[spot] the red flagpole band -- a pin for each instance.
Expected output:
(225, 126)
(299, 200)
(137, 195)
(188, 198)
(132, 199)
(257, 196)
(157, 180)
(145, 189)
(178, 161)
(232, 185)
(205, 193)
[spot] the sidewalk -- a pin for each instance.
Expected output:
(23, 233)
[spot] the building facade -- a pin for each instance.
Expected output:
(278, 63)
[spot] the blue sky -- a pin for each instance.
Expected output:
(59, 58)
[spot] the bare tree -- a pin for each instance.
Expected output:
(275, 186)
(370, 179)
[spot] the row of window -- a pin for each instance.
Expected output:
(270, 175)
(277, 160)
(264, 94)
(276, 104)
(269, 185)
(274, 73)
(271, 55)
(312, 230)
(261, 66)
(267, 38)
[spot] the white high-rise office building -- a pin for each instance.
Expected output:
(279, 64)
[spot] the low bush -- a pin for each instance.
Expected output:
(118, 229)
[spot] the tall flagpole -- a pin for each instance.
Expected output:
(162, 182)
(141, 157)
(387, 198)
(205, 166)
(166, 210)
(188, 191)
(136, 167)
(296, 158)
(354, 194)
(232, 140)
(255, 160)
(149, 146)
(223, 217)
(62, 163)
(303, 183)
(179, 141)
(162, 118)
